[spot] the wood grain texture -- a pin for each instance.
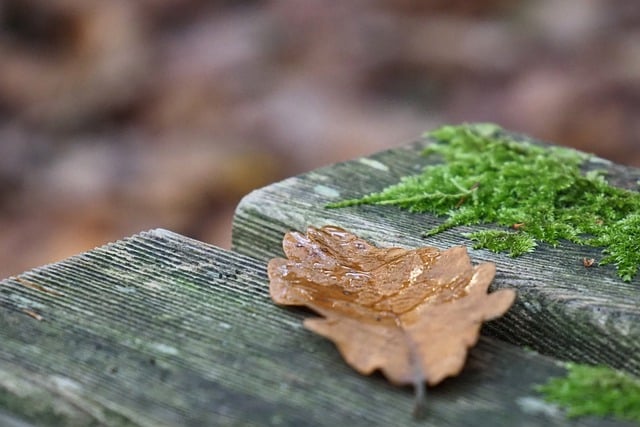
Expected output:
(563, 309)
(161, 330)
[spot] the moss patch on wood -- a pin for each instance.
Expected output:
(595, 390)
(503, 241)
(539, 193)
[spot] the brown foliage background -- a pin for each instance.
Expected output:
(120, 116)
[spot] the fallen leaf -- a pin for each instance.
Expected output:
(410, 313)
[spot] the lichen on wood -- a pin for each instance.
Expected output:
(536, 193)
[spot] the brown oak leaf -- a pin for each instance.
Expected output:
(413, 314)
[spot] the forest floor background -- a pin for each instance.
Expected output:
(121, 116)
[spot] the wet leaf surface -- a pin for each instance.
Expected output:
(412, 314)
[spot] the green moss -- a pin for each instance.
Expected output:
(595, 390)
(622, 243)
(489, 177)
(501, 241)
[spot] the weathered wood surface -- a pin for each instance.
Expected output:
(563, 309)
(162, 330)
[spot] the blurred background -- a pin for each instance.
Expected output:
(118, 116)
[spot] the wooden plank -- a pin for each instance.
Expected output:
(563, 309)
(8, 420)
(162, 330)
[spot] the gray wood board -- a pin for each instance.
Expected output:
(563, 309)
(162, 330)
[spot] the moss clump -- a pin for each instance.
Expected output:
(621, 240)
(502, 241)
(595, 390)
(488, 177)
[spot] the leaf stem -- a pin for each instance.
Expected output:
(420, 401)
